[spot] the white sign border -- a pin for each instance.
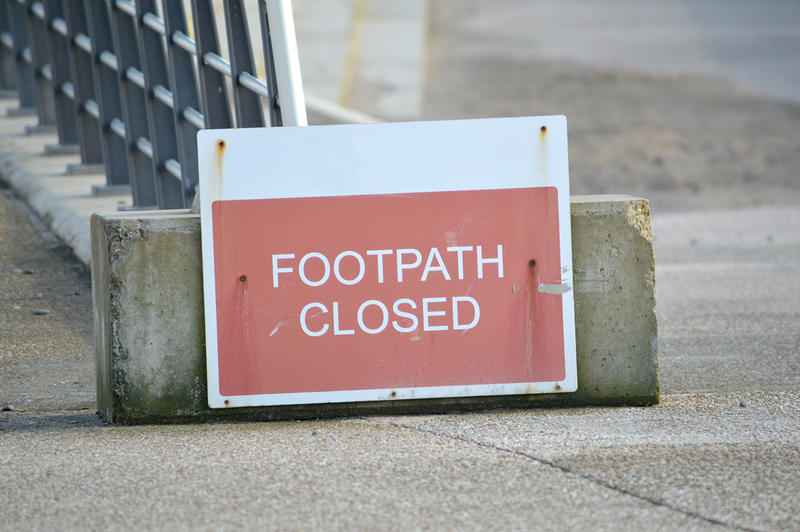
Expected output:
(445, 156)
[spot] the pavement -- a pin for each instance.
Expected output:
(721, 451)
(352, 50)
(752, 45)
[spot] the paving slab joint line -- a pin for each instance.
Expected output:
(567, 470)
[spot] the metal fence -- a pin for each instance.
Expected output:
(128, 84)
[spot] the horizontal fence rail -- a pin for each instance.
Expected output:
(128, 84)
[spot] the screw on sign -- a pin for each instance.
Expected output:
(341, 289)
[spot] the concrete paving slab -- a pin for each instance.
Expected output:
(364, 50)
(753, 45)
(387, 58)
(696, 236)
(322, 16)
(750, 486)
(393, 40)
(390, 10)
(731, 458)
(683, 141)
(323, 29)
(680, 419)
(728, 286)
(318, 475)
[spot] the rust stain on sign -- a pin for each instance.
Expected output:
(543, 150)
(220, 156)
(530, 319)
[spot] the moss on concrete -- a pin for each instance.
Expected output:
(153, 298)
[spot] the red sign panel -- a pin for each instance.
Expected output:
(388, 292)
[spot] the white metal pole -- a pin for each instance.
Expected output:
(287, 63)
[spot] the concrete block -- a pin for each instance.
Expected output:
(148, 311)
(148, 316)
(613, 268)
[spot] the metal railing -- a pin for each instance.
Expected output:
(128, 85)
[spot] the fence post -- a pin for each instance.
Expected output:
(187, 117)
(63, 88)
(19, 34)
(42, 72)
(109, 111)
(160, 103)
(81, 73)
(246, 104)
(130, 79)
(213, 88)
(8, 70)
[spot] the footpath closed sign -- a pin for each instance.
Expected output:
(387, 261)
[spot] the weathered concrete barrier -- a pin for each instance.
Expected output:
(148, 312)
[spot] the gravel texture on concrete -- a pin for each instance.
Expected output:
(731, 458)
(46, 355)
(339, 474)
(728, 287)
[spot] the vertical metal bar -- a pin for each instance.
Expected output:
(213, 89)
(169, 190)
(247, 105)
(134, 106)
(66, 118)
(43, 90)
(8, 70)
(115, 149)
(16, 16)
(273, 109)
(185, 92)
(81, 72)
